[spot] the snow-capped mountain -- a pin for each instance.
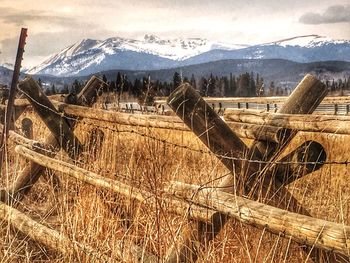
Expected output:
(8, 66)
(89, 56)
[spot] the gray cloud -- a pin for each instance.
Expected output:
(18, 18)
(333, 14)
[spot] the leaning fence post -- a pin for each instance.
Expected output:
(304, 100)
(222, 141)
(32, 172)
(58, 126)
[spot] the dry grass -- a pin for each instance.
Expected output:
(103, 220)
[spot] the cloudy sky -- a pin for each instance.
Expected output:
(55, 24)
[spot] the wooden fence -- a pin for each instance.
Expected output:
(261, 179)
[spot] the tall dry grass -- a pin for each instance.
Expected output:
(107, 221)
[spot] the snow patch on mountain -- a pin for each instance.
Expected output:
(308, 41)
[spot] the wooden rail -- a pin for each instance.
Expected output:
(307, 123)
(305, 230)
(250, 124)
(243, 130)
(263, 100)
(208, 201)
(44, 235)
(173, 205)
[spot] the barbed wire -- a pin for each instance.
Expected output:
(77, 120)
(186, 147)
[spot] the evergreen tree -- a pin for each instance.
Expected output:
(40, 83)
(272, 88)
(203, 83)
(232, 86)
(112, 86)
(193, 82)
(65, 89)
(252, 86)
(104, 78)
(211, 86)
(177, 81)
(119, 82)
(76, 86)
(243, 85)
(53, 89)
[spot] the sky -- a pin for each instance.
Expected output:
(55, 24)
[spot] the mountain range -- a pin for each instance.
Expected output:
(153, 53)
(284, 72)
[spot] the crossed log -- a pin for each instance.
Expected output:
(62, 135)
(246, 177)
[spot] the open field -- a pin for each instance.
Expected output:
(249, 186)
(147, 158)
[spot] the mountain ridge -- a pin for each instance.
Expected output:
(153, 53)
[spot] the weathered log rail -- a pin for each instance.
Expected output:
(250, 124)
(204, 202)
(47, 236)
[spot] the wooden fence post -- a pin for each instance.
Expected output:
(58, 126)
(12, 94)
(222, 141)
(304, 100)
(29, 176)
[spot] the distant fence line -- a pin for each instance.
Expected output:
(245, 122)
(330, 105)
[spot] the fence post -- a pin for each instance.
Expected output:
(304, 100)
(190, 107)
(222, 141)
(58, 126)
(31, 173)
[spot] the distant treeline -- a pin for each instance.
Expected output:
(244, 85)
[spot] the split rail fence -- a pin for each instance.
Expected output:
(260, 197)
